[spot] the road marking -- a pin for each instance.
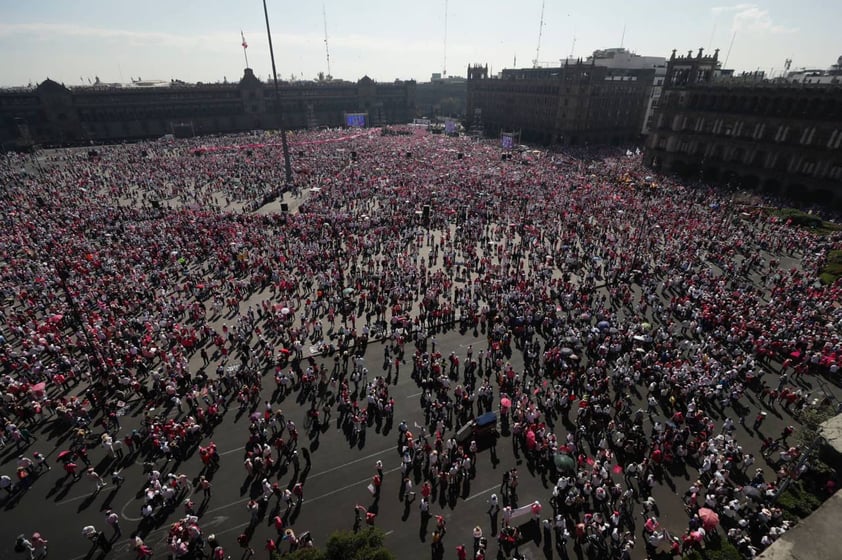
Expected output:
(478, 494)
(389, 533)
(343, 488)
(71, 500)
(127, 518)
(245, 500)
(308, 500)
(415, 395)
(343, 465)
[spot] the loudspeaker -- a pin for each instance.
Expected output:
(354, 155)
(300, 153)
(92, 154)
(460, 155)
(425, 211)
(504, 157)
(40, 201)
(156, 204)
(284, 207)
(249, 153)
(408, 155)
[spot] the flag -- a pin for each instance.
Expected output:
(245, 45)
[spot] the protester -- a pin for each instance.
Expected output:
(602, 281)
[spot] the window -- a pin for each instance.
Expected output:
(759, 129)
(835, 140)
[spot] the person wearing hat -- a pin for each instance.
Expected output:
(40, 462)
(39, 543)
(477, 534)
(95, 478)
(6, 483)
(114, 520)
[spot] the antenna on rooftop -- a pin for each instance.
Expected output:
(327, 50)
(444, 62)
(540, 34)
(727, 56)
(623, 36)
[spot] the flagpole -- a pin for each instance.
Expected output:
(245, 48)
(284, 145)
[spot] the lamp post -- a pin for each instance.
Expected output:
(63, 275)
(287, 166)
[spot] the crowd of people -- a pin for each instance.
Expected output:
(149, 277)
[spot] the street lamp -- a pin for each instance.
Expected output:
(63, 275)
(287, 166)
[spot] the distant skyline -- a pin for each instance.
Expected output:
(199, 41)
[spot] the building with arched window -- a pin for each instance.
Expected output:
(575, 104)
(52, 114)
(776, 136)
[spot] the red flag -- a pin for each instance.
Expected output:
(245, 45)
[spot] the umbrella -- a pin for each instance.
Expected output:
(709, 518)
(564, 462)
(39, 387)
(347, 291)
(506, 402)
(64, 455)
(603, 324)
(56, 318)
(566, 351)
(285, 311)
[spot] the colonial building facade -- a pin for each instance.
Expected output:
(772, 135)
(441, 97)
(575, 104)
(52, 114)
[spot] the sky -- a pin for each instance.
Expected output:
(199, 41)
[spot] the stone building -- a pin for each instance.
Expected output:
(774, 136)
(441, 97)
(52, 114)
(623, 58)
(574, 104)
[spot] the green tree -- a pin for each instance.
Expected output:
(347, 545)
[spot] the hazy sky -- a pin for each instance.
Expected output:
(199, 40)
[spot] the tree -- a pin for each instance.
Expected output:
(304, 554)
(347, 545)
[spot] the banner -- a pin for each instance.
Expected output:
(507, 140)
